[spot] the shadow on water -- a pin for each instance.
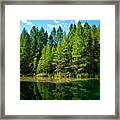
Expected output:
(75, 90)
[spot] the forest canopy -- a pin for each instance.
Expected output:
(73, 54)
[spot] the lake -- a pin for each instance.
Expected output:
(70, 89)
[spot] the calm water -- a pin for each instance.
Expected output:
(74, 90)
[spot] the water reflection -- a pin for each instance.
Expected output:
(74, 90)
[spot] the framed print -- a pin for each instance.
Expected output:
(59, 59)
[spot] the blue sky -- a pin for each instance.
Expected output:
(49, 24)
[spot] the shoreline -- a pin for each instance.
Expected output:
(47, 80)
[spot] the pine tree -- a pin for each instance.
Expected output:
(71, 34)
(45, 60)
(39, 40)
(80, 37)
(53, 61)
(48, 57)
(24, 52)
(95, 50)
(66, 55)
(34, 35)
(58, 57)
(52, 37)
(59, 35)
(35, 65)
(88, 51)
(42, 62)
(76, 55)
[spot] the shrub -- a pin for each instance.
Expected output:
(42, 75)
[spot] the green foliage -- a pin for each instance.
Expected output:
(24, 52)
(58, 58)
(76, 54)
(52, 37)
(31, 49)
(66, 55)
(35, 64)
(42, 62)
(42, 75)
(59, 35)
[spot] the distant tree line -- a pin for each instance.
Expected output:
(72, 55)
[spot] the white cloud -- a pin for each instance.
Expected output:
(65, 25)
(76, 21)
(27, 22)
(56, 21)
(49, 25)
(72, 21)
(54, 25)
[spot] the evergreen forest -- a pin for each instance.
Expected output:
(75, 54)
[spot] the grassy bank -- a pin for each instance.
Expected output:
(53, 80)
